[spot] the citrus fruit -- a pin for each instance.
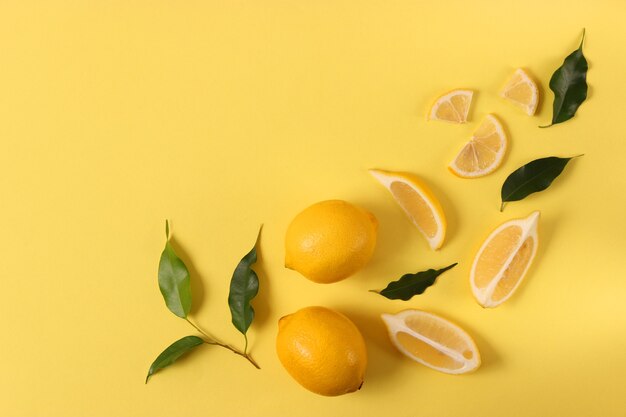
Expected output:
(503, 260)
(452, 107)
(522, 91)
(322, 350)
(330, 241)
(418, 202)
(483, 153)
(432, 341)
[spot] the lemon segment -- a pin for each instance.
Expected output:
(484, 152)
(418, 202)
(452, 107)
(322, 350)
(503, 260)
(433, 341)
(522, 91)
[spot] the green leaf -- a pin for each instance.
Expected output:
(244, 286)
(533, 177)
(174, 280)
(412, 284)
(172, 353)
(569, 84)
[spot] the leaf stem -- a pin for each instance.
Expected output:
(502, 206)
(245, 348)
(213, 341)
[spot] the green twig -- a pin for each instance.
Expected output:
(213, 341)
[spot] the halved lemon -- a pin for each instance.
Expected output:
(503, 260)
(483, 153)
(522, 91)
(452, 107)
(432, 341)
(418, 202)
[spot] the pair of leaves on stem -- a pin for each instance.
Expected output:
(175, 286)
(569, 84)
(533, 177)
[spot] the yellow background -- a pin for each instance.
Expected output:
(224, 115)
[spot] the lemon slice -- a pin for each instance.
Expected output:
(503, 260)
(483, 153)
(522, 91)
(452, 107)
(418, 202)
(432, 341)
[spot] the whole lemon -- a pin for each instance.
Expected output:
(322, 350)
(330, 241)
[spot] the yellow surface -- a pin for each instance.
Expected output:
(222, 115)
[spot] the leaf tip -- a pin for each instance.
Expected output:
(258, 235)
(582, 40)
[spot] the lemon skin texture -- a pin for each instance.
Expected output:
(330, 241)
(322, 350)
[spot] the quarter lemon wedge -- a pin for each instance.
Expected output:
(432, 341)
(503, 260)
(418, 202)
(522, 91)
(452, 107)
(483, 153)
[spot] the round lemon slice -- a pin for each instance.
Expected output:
(452, 107)
(432, 341)
(503, 260)
(522, 91)
(484, 153)
(418, 202)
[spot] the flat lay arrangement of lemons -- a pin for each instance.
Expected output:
(332, 240)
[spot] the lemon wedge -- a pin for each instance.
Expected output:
(452, 107)
(522, 91)
(503, 260)
(483, 153)
(418, 202)
(432, 341)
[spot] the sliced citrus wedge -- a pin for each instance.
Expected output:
(432, 341)
(418, 202)
(452, 107)
(522, 91)
(503, 260)
(483, 153)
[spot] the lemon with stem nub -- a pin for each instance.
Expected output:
(322, 350)
(330, 240)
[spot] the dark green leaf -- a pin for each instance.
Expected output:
(172, 353)
(244, 286)
(533, 177)
(569, 84)
(174, 280)
(412, 284)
